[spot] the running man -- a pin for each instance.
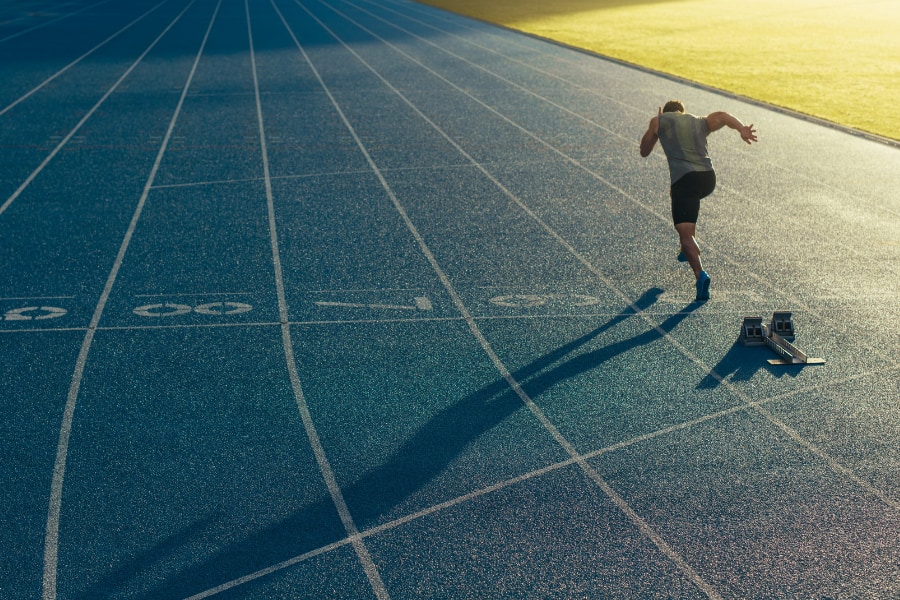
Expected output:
(683, 138)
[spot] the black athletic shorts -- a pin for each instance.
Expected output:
(687, 193)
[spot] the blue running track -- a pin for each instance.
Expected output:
(357, 298)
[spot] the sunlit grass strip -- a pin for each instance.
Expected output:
(838, 61)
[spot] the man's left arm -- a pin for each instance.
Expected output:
(718, 120)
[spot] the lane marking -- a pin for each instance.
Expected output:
(38, 298)
(365, 290)
(26, 313)
(223, 308)
(81, 123)
(337, 496)
(592, 474)
(168, 310)
(323, 322)
(342, 173)
(193, 294)
(165, 186)
(534, 300)
(51, 537)
(463, 59)
(77, 60)
(419, 303)
(591, 90)
(786, 429)
(630, 141)
(46, 23)
(462, 499)
(228, 585)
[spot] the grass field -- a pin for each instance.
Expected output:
(836, 60)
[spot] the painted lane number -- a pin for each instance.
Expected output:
(34, 313)
(173, 310)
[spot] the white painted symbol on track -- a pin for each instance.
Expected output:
(519, 300)
(419, 303)
(169, 309)
(534, 300)
(43, 312)
(223, 308)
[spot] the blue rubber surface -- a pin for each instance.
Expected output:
(357, 298)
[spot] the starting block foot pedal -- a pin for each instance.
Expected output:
(782, 324)
(777, 336)
(753, 332)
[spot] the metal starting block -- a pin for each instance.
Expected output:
(778, 336)
(782, 324)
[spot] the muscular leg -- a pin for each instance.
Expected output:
(689, 246)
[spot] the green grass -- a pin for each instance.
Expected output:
(835, 60)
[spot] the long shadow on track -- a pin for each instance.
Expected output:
(423, 457)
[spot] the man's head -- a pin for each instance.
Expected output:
(674, 106)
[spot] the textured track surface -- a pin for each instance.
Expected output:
(348, 299)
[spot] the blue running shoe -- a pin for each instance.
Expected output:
(681, 257)
(703, 286)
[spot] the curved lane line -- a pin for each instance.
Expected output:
(334, 489)
(589, 471)
(835, 466)
(51, 539)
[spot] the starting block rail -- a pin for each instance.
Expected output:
(778, 336)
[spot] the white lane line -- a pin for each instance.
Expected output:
(537, 473)
(791, 433)
(754, 157)
(50, 22)
(520, 478)
(355, 321)
(304, 176)
(40, 298)
(620, 502)
(84, 119)
(43, 329)
(565, 157)
(631, 142)
(592, 91)
(499, 486)
(78, 60)
(492, 29)
(35, 12)
(334, 489)
(188, 184)
(192, 294)
(228, 585)
(420, 304)
(51, 539)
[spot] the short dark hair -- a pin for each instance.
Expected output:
(674, 106)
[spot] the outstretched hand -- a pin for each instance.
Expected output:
(748, 134)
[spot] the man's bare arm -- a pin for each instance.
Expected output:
(717, 120)
(648, 142)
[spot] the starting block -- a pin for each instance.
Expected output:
(777, 335)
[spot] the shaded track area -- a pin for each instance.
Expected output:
(357, 298)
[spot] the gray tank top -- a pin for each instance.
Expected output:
(683, 138)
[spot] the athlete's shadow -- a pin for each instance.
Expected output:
(741, 363)
(445, 436)
(376, 493)
(591, 360)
